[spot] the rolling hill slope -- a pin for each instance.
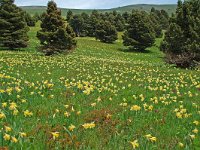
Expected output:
(144, 7)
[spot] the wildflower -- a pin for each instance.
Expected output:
(180, 144)
(4, 105)
(8, 129)
(72, 109)
(78, 112)
(148, 136)
(23, 101)
(196, 123)
(88, 125)
(22, 134)
(66, 114)
(195, 130)
(14, 140)
(135, 108)
(179, 115)
(55, 135)
(2, 115)
(192, 136)
(151, 107)
(71, 127)
(6, 137)
(123, 104)
(66, 106)
(27, 113)
(108, 116)
(135, 144)
(93, 104)
(153, 139)
(13, 106)
(50, 85)
(15, 112)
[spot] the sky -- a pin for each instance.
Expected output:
(92, 4)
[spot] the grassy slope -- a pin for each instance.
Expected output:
(169, 8)
(118, 78)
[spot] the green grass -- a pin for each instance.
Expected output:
(171, 8)
(115, 80)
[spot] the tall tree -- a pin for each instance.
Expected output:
(55, 35)
(182, 41)
(139, 34)
(13, 30)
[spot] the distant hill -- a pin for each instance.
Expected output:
(143, 7)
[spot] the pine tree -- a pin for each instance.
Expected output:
(139, 34)
(29, 19)
(106, 32)
(182, 41)
(69, 15)
(55, 35)
(77, 23)
(13, 30)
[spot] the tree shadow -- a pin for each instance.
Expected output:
(131, 50)
(11, 50)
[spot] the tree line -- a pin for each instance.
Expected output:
(140, 29)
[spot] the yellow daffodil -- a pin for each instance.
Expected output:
(195, 130)
(22, 134)
(27, 113)
(135, 144)
(135, 108)
(88, 125)
(71, 127)
(180, 144)
(55, 135)
(14, 140)
(8, 129)
(6, 137)
(2, 115)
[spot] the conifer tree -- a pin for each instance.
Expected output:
(106, 32)
(13, 28)
(77, 23)
(69, 15)
(139, 34)
(55, 35)
(182, 41)
(29, 19)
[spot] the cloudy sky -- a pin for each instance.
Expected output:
(92, 4)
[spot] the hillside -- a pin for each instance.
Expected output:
(39, 9)
(100, 96)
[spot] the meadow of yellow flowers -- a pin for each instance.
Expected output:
(98, 97)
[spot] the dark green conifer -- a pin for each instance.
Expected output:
(139, 34)
(13, 28)
(106, 32)
(182, 41)
(55, 35)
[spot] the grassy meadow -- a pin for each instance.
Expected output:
(98, 97)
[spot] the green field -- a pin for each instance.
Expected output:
(143, 7)
(46, 102)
